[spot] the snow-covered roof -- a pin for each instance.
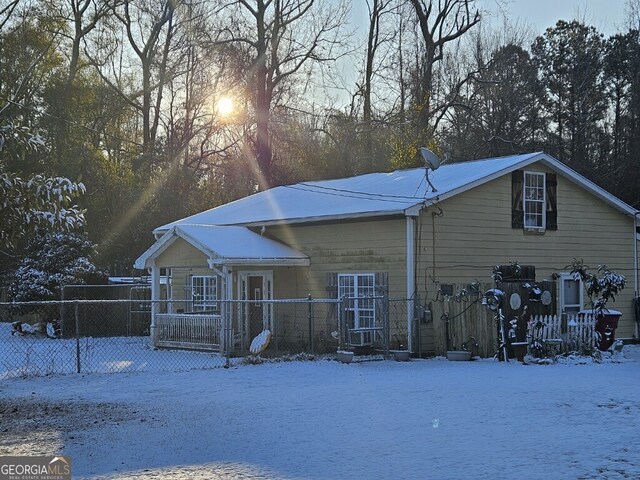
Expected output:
(375, 194)
(226, 245)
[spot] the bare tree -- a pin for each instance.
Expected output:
(6, 11)
(633, 14)
(375, 38)
(440, 22)
(283, 38)
(83, 17)
(149, 31)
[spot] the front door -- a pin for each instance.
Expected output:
(255, 308)
(571, 294)
(256, 288)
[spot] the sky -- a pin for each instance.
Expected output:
(606, 15)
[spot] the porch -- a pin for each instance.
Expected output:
(314, 326)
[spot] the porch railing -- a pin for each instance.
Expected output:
(188, 330)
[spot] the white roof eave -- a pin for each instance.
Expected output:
(175, 232)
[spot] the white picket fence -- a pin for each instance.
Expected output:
(574, 332)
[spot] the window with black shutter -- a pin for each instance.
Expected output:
(534, 204)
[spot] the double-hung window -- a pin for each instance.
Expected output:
(359, 288)
(534, 204)
(204, 294)
(534, 201)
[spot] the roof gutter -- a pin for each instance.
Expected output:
(264, 262)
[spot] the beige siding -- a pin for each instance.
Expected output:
(181, 254)
(184, 260)
(352, 247)
(474, 233)
(349, 247)
(180, 283)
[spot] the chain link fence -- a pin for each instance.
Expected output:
(106, 336)
(85, 336)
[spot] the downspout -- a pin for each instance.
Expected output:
(411, 282)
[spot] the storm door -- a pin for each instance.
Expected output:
(256, 289)
(571, 294)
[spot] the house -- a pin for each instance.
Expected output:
(405, 234)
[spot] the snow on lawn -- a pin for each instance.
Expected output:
(322, 419)
(29, 355)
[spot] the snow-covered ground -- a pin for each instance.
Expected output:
(32, 355)
(322, 420)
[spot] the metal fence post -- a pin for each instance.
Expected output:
(75, 304)
(275, 334)
(310, 314)
(343, 305)
(385, 324)
(227, 332)
(417, 321)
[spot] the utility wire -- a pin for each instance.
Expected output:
(347, 194)
(356, 192)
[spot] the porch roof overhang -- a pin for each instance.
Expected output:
(226, 245)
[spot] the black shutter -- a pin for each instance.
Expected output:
(517, 211)
(382, 283)
(332, 285)
(552, 201)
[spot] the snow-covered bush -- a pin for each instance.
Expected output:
(600, 287)
(36, 203)
(53, 260)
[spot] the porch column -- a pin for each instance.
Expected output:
(155, 301)
(227, 330)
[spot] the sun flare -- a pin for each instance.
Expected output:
(225, 106)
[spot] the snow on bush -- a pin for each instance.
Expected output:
(53, 260)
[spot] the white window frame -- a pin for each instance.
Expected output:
(204, 293)
(360, 290)
(267, 294)
(567, 277)
(534, 201)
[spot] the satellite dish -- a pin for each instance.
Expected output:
(431, 160)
